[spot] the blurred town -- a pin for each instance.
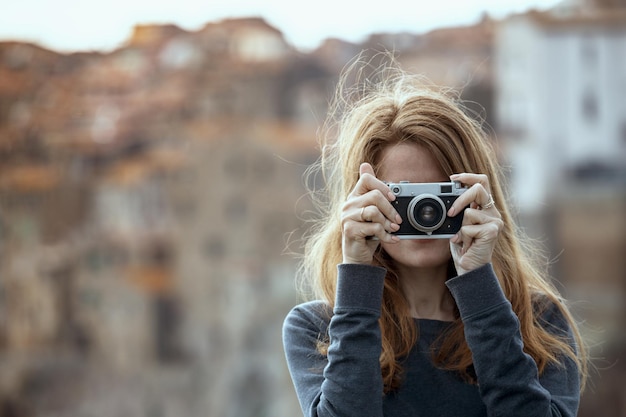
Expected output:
(151, 199)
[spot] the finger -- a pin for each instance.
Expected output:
(482, 231)
(471, 179)
(361, 231)
(485, 203)
(367, 172)
(380, 203)
(370, 214)
(373, 214)
(466, 237)
(490, 205)
(366, 168)
(474, 197)
(368, 209)
(476, 216)
(375, 192)
(477, 224)
(368, 182)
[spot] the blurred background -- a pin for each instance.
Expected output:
(151, 196)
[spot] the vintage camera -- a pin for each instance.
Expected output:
(423, 208)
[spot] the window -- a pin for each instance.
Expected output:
(215, 247)
(236, 209)
(590, 106)
(588, 52)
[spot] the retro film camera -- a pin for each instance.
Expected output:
(423, 208)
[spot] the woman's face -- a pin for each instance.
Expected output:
(414, 163)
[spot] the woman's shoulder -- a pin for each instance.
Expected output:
(313, 315)
(550, 313)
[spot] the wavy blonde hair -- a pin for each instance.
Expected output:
(393, 108)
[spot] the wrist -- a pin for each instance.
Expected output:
(354, 261)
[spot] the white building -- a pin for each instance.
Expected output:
(560, 98)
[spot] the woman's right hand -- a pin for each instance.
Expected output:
(368, 213)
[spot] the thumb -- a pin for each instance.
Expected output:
(366, 168)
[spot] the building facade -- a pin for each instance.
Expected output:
(560, 86)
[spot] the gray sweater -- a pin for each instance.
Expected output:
(348, 382)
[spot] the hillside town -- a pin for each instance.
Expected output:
(152, 200)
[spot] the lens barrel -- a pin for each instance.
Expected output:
(426, 212)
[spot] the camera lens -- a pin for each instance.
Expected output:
(426, 212)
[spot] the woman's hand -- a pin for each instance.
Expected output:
(367, 213)
(472, 247)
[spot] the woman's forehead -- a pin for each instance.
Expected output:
(408, 161)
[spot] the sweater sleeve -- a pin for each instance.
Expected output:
(347, 381)
(508, 378)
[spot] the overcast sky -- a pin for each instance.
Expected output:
(69, 25)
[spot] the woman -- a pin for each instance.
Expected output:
(465, 326)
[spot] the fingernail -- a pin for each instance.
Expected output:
(395, 226)
(451, 212)
(391, 196)
(398, 219)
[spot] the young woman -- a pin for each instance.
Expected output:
(465, 326)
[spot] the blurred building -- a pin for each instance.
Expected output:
(149, 198)
(560, 83)
(146, 200)
(561, 117)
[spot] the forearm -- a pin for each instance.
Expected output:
(347, 381)
(508, 378)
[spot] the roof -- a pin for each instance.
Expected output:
(610, 19)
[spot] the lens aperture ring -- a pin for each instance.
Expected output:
(424, 206)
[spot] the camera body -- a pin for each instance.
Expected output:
(424, 207)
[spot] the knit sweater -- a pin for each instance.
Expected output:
(348, 382)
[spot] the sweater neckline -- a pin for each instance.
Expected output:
(431, 329)
(432, 322)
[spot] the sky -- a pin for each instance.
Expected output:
(81, 25)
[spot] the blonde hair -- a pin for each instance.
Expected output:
(398, 107)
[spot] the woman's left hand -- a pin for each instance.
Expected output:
(472, 247)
